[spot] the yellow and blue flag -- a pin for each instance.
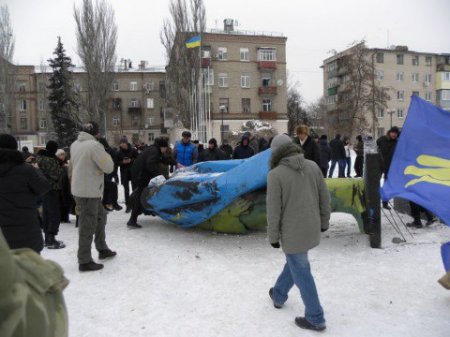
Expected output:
(194, 42)
(420, 168)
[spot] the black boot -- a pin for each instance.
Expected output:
(52, 243)
(278, 306)
(90, 266)
(104, 254)
(415, 223)
(304, 324)
(133, 224)
(386, 205)
(117, 207)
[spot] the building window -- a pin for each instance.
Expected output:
(266, 79)
(133, 86)
(23, 105)
(445, 95)
(208, 76)
(428, 78)
(267, 54)
(399, 58)
(224, 104)
(246, 106)
(135, 120)
(149, 86)
(380, 132)
(222, 53)
(43, 123)
(400, 113)
(245, 54)
(162, 89)
(416, 93)
(22, 87)
(267, 105)
(116, 103)
(115, 86)
(223, 80)
(151, 137)
(415, 77)
(380, 113)
(400, 75)
(23, 123)
(400, 95)
(445, 76)
(151, 121)
(150, 103)
(380, 57)
(380, 75)
(415, 60)
(77, 86)
(41, 86)
(428, 95)
(428, 60)
(41, 105)
(245, 81)
(116, 121)
(134, 103)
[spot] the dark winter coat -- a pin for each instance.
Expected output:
(125, 169)
(21, 185)
(337, 149)
(359, 148)
(50, 166)
(325, 153)
(227, 149)
(386, 147)
(310, 149)
(243, 151)
(211, 155)
(148, 166)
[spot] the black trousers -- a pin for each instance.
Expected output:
(324, 171)
(137, 208)
(359, 166)
(110, 194)
(417, 209)
(126, 186)
(51, 213)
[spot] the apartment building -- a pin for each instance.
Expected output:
(246, 78)
(136, 108)
(401, 73)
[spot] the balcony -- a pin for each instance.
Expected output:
(266, 90)
(271, 115)
(267, 65)
(206, 62)
(443, 67)
(134, 110)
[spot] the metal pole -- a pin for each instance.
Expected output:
(221, 130)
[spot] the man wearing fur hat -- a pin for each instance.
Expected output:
(298, 209)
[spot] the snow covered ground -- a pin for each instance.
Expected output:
(167, 281)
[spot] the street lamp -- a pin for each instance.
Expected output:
(222, 110)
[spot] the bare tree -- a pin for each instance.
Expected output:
(359, 94)
(96, 32)
(6, 69)
(295, 112)
(316, 111)
(183, 70)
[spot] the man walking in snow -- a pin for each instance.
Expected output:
(88, 165)
(298, 209)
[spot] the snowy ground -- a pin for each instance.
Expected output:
(167, 282)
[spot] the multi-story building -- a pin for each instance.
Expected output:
(136, 107)
(246, 78)
(401, 73)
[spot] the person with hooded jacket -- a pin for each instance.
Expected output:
(21, 185)
(146, 167)
(298, 209)
(54, 172)
(212, 152)
(243, 150)
(325, 154)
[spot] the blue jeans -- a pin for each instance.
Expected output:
(348, 163)
(297, 271)
(341, 165)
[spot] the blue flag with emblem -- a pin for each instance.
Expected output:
(420, 168)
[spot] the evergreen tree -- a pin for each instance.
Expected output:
(61, 98)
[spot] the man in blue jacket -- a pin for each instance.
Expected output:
(185, 152)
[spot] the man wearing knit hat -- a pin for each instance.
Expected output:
(54, 172)
(298, 209)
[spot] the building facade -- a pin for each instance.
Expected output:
(136, 108)
(401, 73)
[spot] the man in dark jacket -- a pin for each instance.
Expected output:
(21, 185)
(307, 143)
(146, 167)
(386, 147)
(325, 154)
(243, 150)
(212, 152)
(226, 148)
(54, 172)
(337, 156)
(125, 158)
(359, 161)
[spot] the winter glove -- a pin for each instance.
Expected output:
(275, 245)
(323, 230)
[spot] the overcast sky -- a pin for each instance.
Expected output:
(313, 28)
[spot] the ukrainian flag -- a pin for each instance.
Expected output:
(194, 42)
